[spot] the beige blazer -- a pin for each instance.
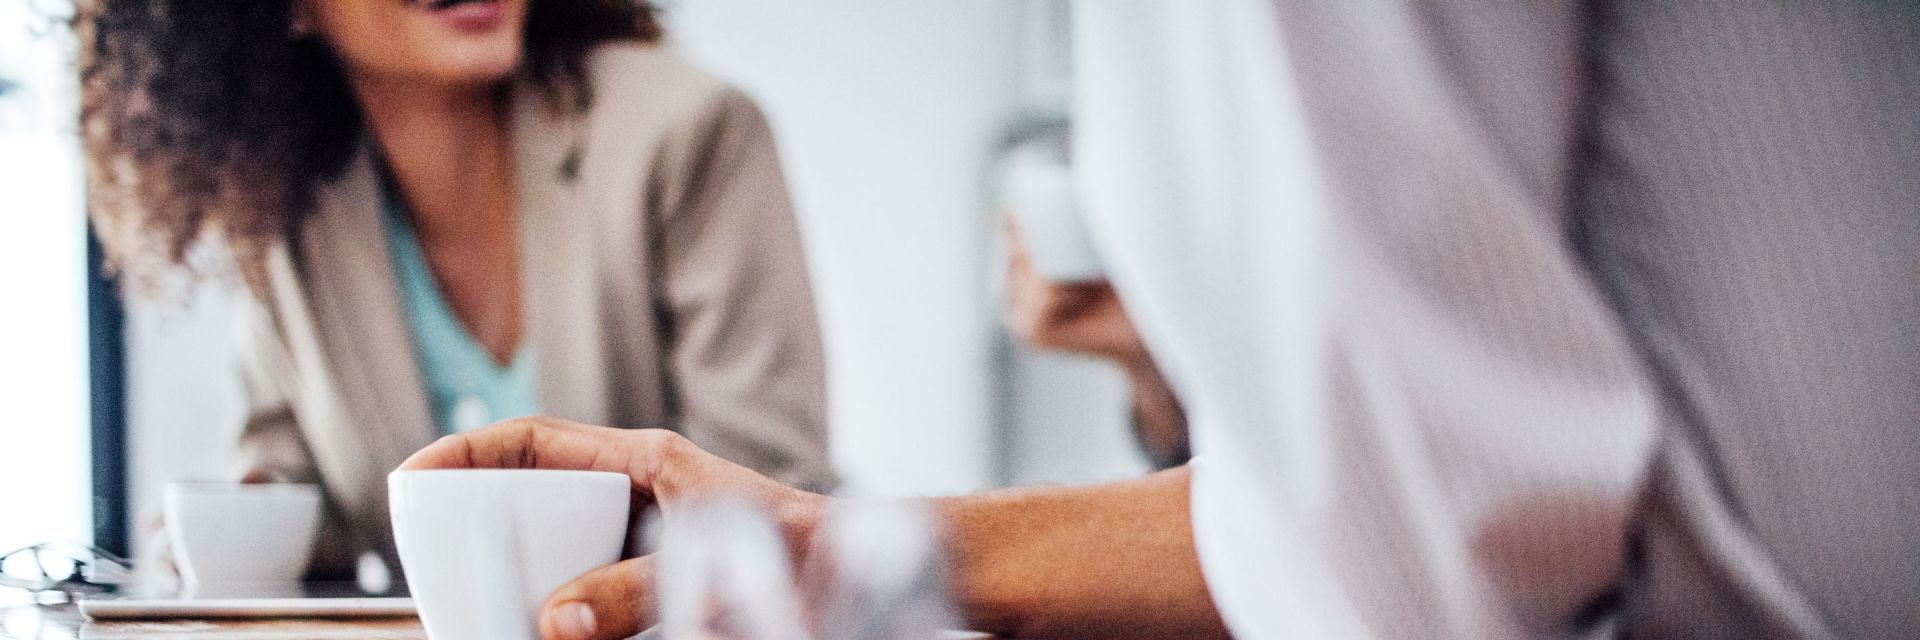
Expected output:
(664, 287)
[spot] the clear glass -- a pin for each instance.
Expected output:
(875, 571)
(723, 575)
(45, 486)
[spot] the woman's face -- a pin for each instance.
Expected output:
(453, 42)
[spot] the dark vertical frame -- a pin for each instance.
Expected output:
(107, 373)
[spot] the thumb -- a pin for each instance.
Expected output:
(609, 603)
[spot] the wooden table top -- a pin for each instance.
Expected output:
(63, 622)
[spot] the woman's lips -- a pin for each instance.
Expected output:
(471, 16)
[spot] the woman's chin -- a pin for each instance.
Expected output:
(476, 70)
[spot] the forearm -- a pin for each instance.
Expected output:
(1109, 561)
(1159, 420)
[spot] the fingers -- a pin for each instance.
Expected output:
(1065, 316)
(547, 443)
(608, 603)
(1019, 264)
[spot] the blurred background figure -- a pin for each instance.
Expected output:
(1057, 294)
(454, 212)
(1086, 317)
(1077, 399)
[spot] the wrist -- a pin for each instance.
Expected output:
(1153, 398)
(1137, 365)
(986, 595)
(1102, 561)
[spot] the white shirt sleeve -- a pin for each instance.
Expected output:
(1414, 415)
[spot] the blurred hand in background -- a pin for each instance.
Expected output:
(1087, 318)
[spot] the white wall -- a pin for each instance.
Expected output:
(1069, 421)
(44, 478)
(183, 398)
(887, 113)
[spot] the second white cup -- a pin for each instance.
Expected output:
(241, 536)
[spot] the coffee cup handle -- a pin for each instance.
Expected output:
(501, 584)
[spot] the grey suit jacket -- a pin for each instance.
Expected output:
(665, 287)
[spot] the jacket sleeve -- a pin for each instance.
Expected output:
(744, 365)
(272, 444)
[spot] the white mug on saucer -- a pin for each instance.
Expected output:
(483, 548)
(241, 536)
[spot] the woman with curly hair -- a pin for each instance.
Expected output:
(452, 212)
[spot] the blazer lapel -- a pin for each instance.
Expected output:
(558, 260)
(357, 308)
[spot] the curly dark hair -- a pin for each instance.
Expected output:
(206, 119)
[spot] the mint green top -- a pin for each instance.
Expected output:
(465, 388)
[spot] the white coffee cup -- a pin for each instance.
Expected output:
(238, 536)
(1038, 189)
(483, 548)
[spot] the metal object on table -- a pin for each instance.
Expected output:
(66, 568)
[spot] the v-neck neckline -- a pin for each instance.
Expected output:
(416, 280)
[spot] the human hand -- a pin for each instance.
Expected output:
(668, 472)
(1079, 317)
(1088, 318)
